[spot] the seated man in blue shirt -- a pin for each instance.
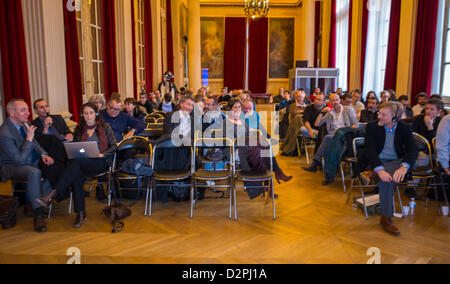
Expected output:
(120, 121)
(391, 152)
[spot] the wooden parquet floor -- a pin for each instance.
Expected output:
(314, 225)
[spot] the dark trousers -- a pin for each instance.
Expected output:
(52, 173)
(386, 189)
(74, 176)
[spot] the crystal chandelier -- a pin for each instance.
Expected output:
(256, 9)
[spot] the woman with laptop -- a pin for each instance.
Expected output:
(91, 130)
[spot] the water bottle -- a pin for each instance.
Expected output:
(412, 206)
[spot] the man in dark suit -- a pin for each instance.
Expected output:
(391, 152)
(20, 154)
(51, 131)
(47, 124)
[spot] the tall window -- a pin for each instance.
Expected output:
(140, 43)
(90, 45)
(445, 70)
(342, 28)
(377, 42)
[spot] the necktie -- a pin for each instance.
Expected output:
(23, 132)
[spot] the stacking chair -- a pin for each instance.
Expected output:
(304, 143)
(266, 178)
(202, 175)
(141, 146)
(427, 174)
(170, 176)
(357, 181)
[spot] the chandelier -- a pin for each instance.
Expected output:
(256, 9)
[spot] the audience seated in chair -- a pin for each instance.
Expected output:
(408, 114)
(443, 144)
(338, 117)
(421, 100)
(167, 105)
(133, 109)
(20, 154)
(145, 102)
(391, 152)
(91, 128)
(357, 105)
(296, 111)
(119, 121)
(371, 112)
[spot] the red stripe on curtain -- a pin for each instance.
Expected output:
(258, 55)
(73, 68)
(13, 52)
(424, 47)
(148, 45)
(390, 80)
(365, 24)
(332, 52)
(349, 53)
(109, 48)
(170, 65)
(234, 53)
(317, 33)
(133, 36)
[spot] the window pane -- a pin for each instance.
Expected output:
(92, 9)
(99, 13)
(94, 43)
(95, 65)
(82, 76)
(80, 37)
(100, 44)
(102, 77)
(78, 4)
(446, 86)
(447, 52)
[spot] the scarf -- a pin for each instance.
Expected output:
(103, 138)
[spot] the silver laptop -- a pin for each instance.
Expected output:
(77, 150)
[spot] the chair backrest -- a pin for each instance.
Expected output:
(423, 146)
(155, 126)
(137, 144)
(258, 138)
(358, 143)
(213, 143)
(158, 148)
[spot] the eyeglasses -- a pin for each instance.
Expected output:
(114, 109)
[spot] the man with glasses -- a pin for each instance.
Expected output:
(121, 121)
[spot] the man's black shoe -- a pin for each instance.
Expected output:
(313, 167)
(327, 181)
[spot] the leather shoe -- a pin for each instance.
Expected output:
(47, 200)
(327, 181)
(389, 226)
(80, 219)
(39, 224)
(281, 176)
(312, 168)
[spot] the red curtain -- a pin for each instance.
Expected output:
(424, 47)
(349, 53)
(258, 56)
(332, 52)
(13, 52)
(390, 81)
(133, 36)
(148, 45)
(317, 33)
(365, 24)
(73, 69)
(234, 53)
(170, 65)
(109, 48)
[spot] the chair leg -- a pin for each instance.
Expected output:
(192, 200)
(299, 148)
(400, 202)
(109, 190)
(273, 199)
(437, 201)
(343, 178)
(70, 203)
(146, 199)
(50, 211)
(350, 192)
(307, 154)
(153, 188)
(235, 204)
(230, 190)
(364, 203)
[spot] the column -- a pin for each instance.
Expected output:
(124, 43)
(309, 24)
(355, 61)
(157, 46)
(194, 45)
(406, 47)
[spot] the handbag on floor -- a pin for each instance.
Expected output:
(8, 209)
(117, 212)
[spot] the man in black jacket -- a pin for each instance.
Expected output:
(391, 152)
(371, 113)
(47, 124)
(428, 123)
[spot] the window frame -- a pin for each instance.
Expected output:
(445, 42)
